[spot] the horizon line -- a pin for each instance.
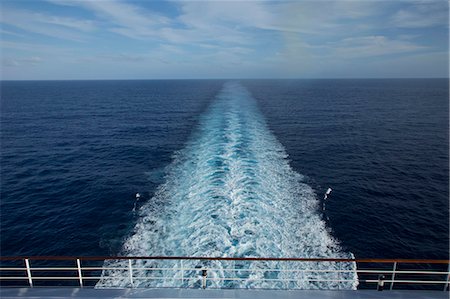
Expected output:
(193, 79)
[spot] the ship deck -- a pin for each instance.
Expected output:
(50, 293)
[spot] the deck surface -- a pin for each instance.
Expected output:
(53, 293)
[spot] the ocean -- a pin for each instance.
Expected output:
(226, 168)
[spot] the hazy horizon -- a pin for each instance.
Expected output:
(233, 79)
(160, 40)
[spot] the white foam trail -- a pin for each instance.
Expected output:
(231, 192)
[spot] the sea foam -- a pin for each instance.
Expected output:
(232, 193)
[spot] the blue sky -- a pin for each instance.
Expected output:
(58, 39)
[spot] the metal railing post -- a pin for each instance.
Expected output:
(80, 276)
(286, 284)
(303, 280)
(234, 271)
(30, 279)
(204, 274)
(182, 273)
(380, 284)
(339, 276)
(130, 270)
(394, 268)
(448, 277)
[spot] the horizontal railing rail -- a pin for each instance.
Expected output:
(136, 273)
(293, 259)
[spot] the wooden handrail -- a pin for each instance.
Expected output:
(287, 259)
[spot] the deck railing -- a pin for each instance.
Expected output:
(387, 274)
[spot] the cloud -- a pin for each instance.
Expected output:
(369, 46)
(126, 19)
(122, 57)
(26, 61)
(7, 32)
(81, 25)
(421, 15)
(216, 21)
(49, 25)
(419, 65)
(320, 18)
(31, 46)
(239, 23)
(201, 15)
(337, 58)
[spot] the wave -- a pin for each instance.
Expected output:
(232, 193)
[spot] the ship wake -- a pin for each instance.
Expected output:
(232, 193)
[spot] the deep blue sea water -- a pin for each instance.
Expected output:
(74, 153)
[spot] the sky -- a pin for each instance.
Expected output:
(129, 39)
